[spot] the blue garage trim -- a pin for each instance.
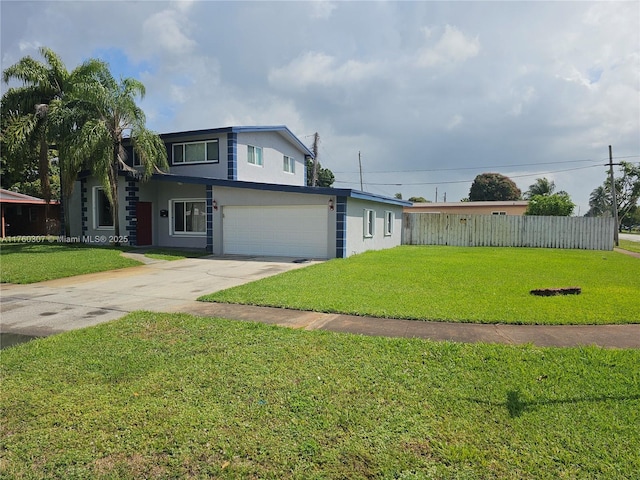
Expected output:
(232, 156)
(341, 227)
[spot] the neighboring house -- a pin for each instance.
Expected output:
(239, 190)
(25, 215)
(511, 207)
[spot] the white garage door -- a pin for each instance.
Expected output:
(299, 231)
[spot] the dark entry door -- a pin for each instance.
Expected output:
(143, 229)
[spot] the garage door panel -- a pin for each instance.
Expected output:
(276, 230)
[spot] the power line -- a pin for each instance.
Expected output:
(491, 166)
(471, 181)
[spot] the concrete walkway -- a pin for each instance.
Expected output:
(610, 336)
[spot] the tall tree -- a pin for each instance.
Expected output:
(111, 116)
(493, 187)
(325, 177)
(28, 110)
(599, 202)
(627, 186)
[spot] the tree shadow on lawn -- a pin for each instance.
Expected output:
(516, 405)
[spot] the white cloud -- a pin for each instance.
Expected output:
(454, 122)
(474, 89)
(164, 32)
(316, 68)
(522, 98)
(452, 47)
(322, 9)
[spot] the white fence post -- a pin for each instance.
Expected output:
(508, 231)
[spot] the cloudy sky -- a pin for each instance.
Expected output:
(430, 94)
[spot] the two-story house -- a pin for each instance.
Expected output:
(239, 190)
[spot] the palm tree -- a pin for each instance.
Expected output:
(543, 186)
(30, 109)
(599, 202)
(112, 116)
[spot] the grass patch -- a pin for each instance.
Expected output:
(630, 246)
(476, 284)
(37, 262)
(174, 396)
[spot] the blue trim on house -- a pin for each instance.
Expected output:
(283, 130)
(83, 206)
(341, 227)
(131, 207)
(273, 187)
(209, 208)
(232, 156)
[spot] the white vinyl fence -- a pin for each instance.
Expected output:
(507, 231)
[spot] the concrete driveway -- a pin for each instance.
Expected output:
(69, 303)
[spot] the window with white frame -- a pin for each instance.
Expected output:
(254, 155)
(136, 159)
(388, 223)
(102, 217)
(196, 152)
(369, 225)
(188, 217)
(288, 164)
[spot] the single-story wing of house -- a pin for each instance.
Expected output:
(26, 215)
(238, 190)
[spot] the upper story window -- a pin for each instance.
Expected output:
(254, 155)
(196, 152)
(136, 159)
(288, 164)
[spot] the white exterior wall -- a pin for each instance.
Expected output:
(161, 193)
(356, 242)
(274, 147)
(94, 233)
(75, 214)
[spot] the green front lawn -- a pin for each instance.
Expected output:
(473, 284)
(175, 396)
(36, 262)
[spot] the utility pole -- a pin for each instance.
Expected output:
(314, 178)
(360, 165)
(614, 202)
(436, 194)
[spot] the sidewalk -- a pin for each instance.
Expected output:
(609, 336)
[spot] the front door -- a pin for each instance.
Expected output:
(144, 234)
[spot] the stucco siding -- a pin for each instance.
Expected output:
(95, 232)
(165, 192)
(274, 147)
(357, 240)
